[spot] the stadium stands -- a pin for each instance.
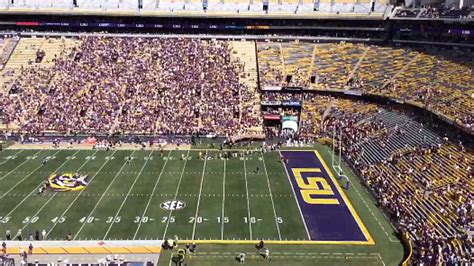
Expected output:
(98, 86)
(199, 7)
(400, 73)
(423, 181)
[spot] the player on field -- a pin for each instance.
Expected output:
(44, 161)
(8, 234)
(129, 159)
(19, 236)
(257, 170)
(241, 258)
(266, 254)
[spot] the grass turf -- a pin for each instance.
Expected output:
(225, 199)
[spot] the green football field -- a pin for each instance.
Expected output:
(160, 196)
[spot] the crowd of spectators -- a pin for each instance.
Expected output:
(280, 96)
(434, 12)
(133, 85)
(454, 13)
(405, 182)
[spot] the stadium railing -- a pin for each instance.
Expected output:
(407, 243)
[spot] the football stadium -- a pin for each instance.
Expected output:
(218, 132)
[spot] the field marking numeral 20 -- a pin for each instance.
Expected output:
(198, 219)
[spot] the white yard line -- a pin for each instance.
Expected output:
(223, 203)
(128, 194)
(52, 197)
(103, 195)
(151, 196)
(11, 171)
(6, 160)
(35, 189)
(271, 196)
(247, 194)
(176, 195)
(380, 256)
(25, 177)
(296, 199)
(199, 197)
(78, 195)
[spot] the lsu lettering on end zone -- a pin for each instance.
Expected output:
(327, 213)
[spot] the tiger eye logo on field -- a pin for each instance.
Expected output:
(67, 182)
(173, 205)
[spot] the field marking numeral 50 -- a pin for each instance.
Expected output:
(30, 219)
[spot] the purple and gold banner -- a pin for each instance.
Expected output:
(327, 212)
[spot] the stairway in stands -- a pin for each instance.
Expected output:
(245, 52)
(414, 134)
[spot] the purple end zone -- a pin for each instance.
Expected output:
(325, 222)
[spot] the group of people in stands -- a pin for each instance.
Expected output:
(134, 85)
(404, 183)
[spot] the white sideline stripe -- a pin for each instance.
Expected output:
(51, 198)
(223, 204)
(78, 195)
(103, 195)
(271, 196)
(296, 199)
(23, 179)
(6, 160)
(199, 197)
(247, 194)
(11, 171)
(176, 194)
(128, 194)
(151, 196)
(380, 256)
